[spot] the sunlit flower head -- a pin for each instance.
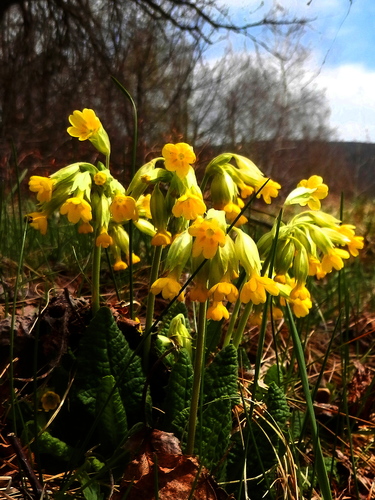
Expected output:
(347, 230)
(314, 182)
(334, 259)
(208, 236)
(123, 208)
(270, 190)
(76, 208)
(104, 239)
(217, 311)
(301, 301)
(189, 206)
(315, 268)
(38, 220)
(161, 238)
(246, 190)
(178, 158)
(223, 291)
(231, 212)
(169, 287)
(50, 400)
(43, 186)
(255, 289)
(84, 124)
(356, 242)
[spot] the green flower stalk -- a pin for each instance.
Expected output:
(89, 197)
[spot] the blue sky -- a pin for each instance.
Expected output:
(342, 42)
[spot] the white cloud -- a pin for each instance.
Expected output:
(350, 92)
(313, 8)
(349, 87)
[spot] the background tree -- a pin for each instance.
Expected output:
(58, 55)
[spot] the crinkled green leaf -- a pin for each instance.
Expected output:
(213, 334)
(54, 446)
(104, 351)
(92, 491)
(112, 426)
(276, 405)
(178, 390)
(220, 394)
(274, 374)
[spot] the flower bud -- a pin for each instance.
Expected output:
(284, 256)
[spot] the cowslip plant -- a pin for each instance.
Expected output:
(202, 230)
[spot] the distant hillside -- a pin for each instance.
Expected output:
(345, 166)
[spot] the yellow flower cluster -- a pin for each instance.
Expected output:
(207, 241)
(310, 244)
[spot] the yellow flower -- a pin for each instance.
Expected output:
(178, 158)
(347, 230)
(161, 238)
(314, 182)
(76, 208)
(189, 206)
(270, 190)
(100, 178)
(217, 311)
(135, 259)
(119, 265)
(356, 242)
(255, 289)
(246, 190)
(280, 278)
(277, 313)
(84, 124)
(123, 208)
(256, 318)
(169, 287)
(301, 302)
(143, 206)
(315, 268)
(38, 220)
(85, 228)
(199, 293)
(231, 212)
(333, 259)
(208, 236)
(50, 400)
(223, 291)
(104, 240)
(43, 186)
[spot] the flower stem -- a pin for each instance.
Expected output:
(131, 285)
(97, 253)
(197, 378)
(241, 325)
(12, 328)
(150, 306)
(233, 318)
